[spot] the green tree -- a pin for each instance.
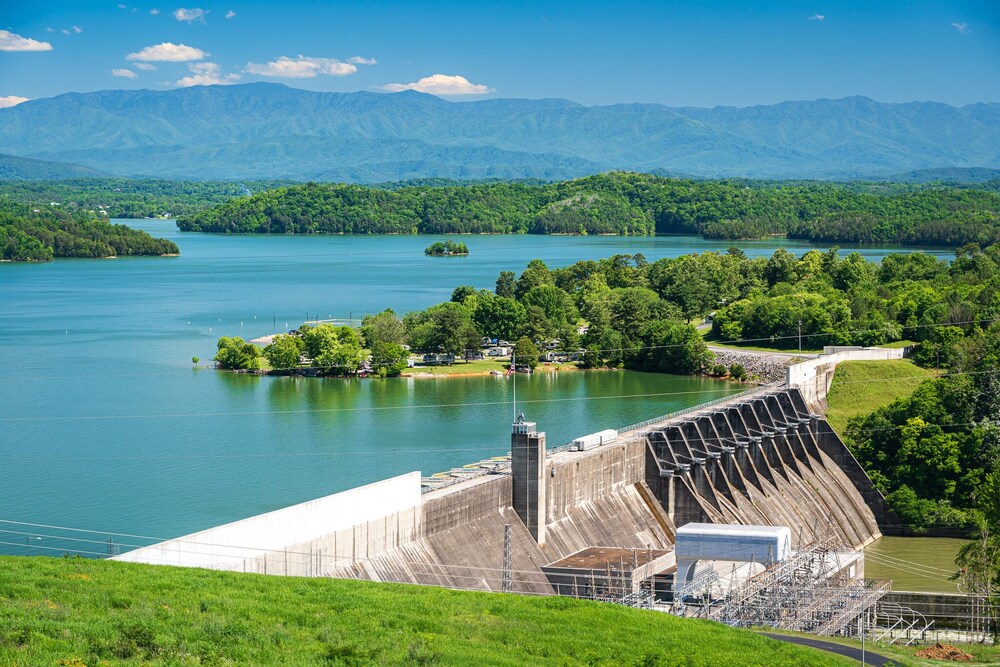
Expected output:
(384, 327)
(499, 317)
(446, 327)
(506, 284)
(234, 353)
(557, 305)
(333, 348)
(462, 292)
(284, 351)
(534, 275)
(388, 359)
(536, 325)
(780, 267)
(319, 339)
(526, 353)
(673, 347)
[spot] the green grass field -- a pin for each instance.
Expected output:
(84, 612)
(860, 387)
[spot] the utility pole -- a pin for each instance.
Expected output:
(506, 584)
(800, 335)
(513, 369)
(864, 617)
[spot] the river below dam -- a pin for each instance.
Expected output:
(105, 425)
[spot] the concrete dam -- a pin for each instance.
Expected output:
(768, 458)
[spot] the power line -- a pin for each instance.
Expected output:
(474, 572)
(421, 406)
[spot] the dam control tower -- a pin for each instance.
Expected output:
(527, 463)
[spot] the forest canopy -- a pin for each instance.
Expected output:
(623, 203)
(38, 235)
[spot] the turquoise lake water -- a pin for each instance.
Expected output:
(105, 425)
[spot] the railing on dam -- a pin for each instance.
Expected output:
(493, 467)
(695, 408)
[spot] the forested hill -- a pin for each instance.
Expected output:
(17, 168)
(205, 132)
(38, 235)
(620, 203)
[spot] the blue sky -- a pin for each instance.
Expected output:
(674, 53)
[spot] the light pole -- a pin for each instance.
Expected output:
(27, 541)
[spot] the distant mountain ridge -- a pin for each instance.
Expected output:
(14, 168)
(266, 130)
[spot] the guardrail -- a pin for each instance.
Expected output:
(697, 408)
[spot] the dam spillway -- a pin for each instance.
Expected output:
(762, 459)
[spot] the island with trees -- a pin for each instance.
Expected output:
(41, 234)
(627, 204)
(446, 248)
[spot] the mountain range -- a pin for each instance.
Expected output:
(264, 130)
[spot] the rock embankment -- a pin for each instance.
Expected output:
(763, 366)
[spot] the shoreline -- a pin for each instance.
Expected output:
(565, 368)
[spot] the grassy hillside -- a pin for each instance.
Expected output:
(862, 386)
(100, 612)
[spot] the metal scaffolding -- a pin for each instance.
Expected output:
(808, 592)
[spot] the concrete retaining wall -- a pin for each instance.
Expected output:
(813, 377)
(575, 478)
(233, 545)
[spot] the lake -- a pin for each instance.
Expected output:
(106, 426)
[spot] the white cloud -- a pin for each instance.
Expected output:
(146, 67)
(206, 74)
(10, 41)
(441, 84)
(11, 101)
(190, 15)
(124, 73)
(50, 30)
(301, 67)
(230, 14)
(168, 52)
(77, 29)
(64, 31)
(358, 60)
(154, 12)
(817, 17)
(121, 6)
(961, 27)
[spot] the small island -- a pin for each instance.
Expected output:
(446, 249)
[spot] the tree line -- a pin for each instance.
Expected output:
(38, 235)
(132, 197)
(623, 203)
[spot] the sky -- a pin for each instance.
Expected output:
(675, 53)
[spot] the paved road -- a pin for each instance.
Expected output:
(847, 651)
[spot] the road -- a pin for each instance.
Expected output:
(848, 651)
